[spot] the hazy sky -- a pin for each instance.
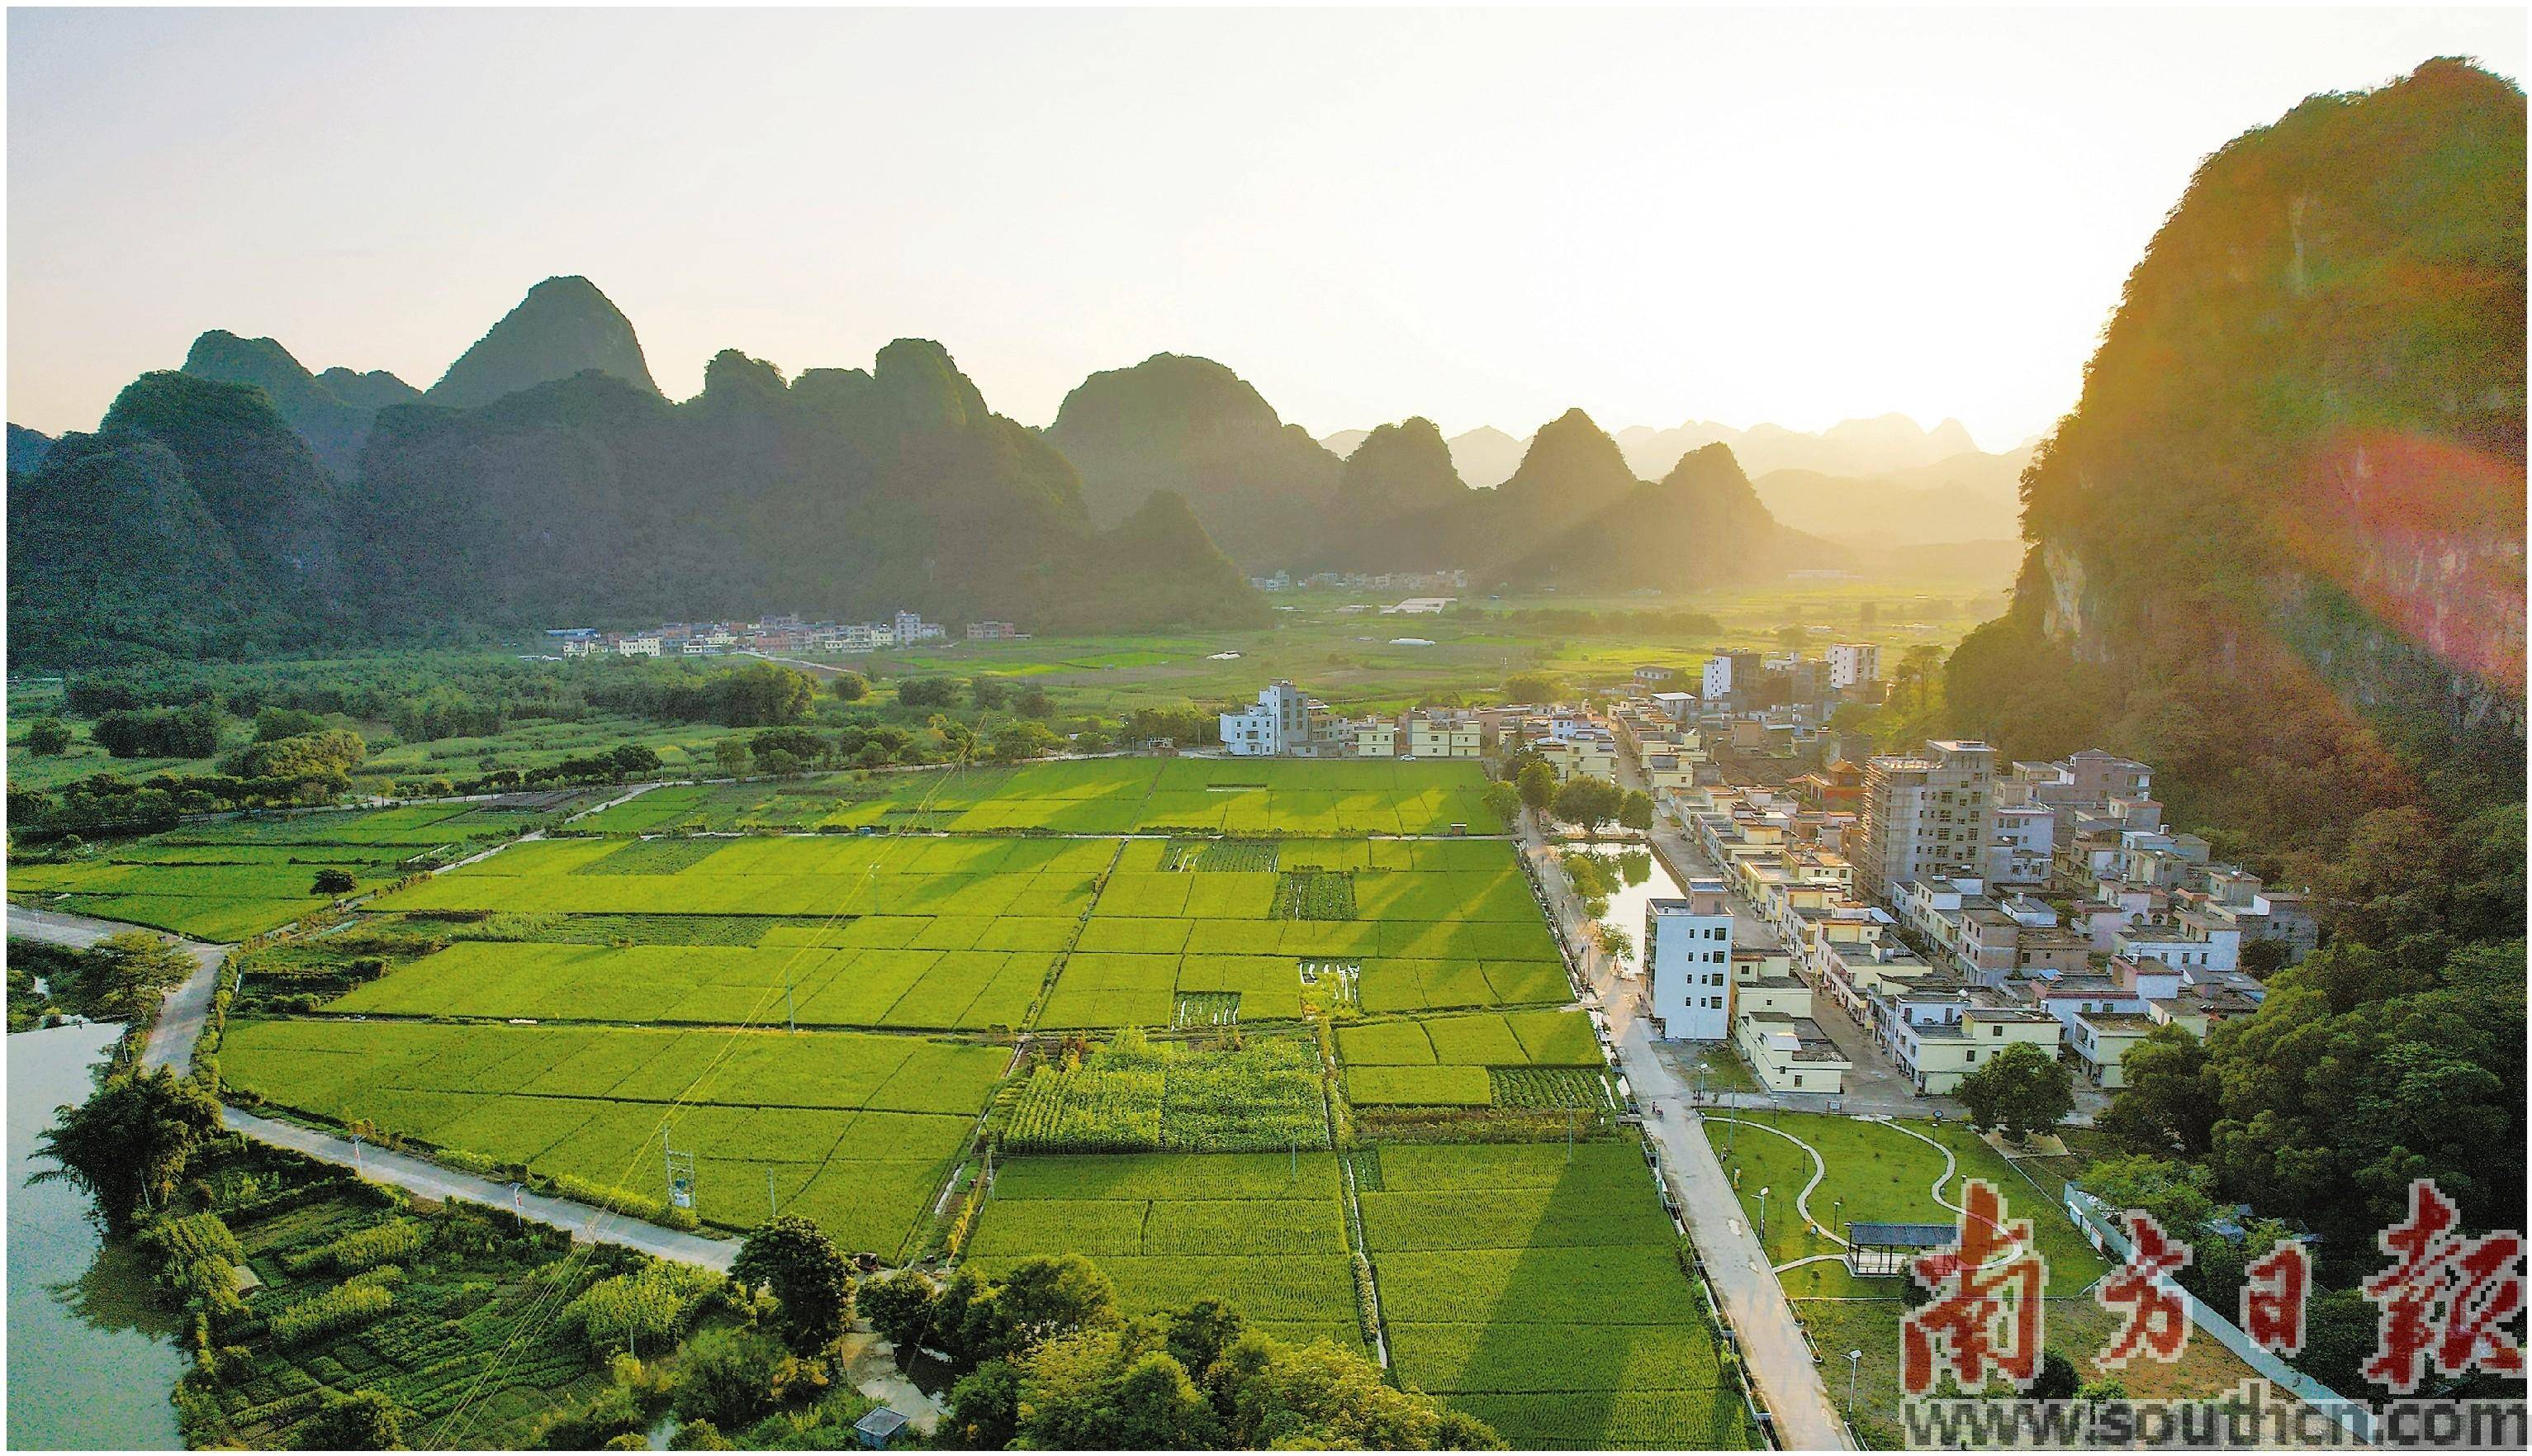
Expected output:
(1480, 217)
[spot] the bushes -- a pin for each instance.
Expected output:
(362, 1249)
(344, 1307)
(652, 1304)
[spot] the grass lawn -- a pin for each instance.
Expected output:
(2074, 1325)
(1881, 1175)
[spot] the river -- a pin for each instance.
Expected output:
(92, 1356)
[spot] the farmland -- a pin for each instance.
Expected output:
(1263, 1231)
(1540, 1289)
(227, 881)
(1098, 797)
(854, 1130)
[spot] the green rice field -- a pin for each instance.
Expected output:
(1265, 1232)
(1539, 1288)
(1093, 796)
(854, 1130)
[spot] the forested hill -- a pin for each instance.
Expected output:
(1193, 428)
(2279, 540)
(2277, 551)
(198, 522)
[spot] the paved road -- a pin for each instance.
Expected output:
(1735, 1268)
(595, 1225)
(188, 1007)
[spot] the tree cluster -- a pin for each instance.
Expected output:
(1049, 1361)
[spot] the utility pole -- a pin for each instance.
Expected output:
(789, 1015)
(775, 1202)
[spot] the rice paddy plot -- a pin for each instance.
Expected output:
(1264, 1232)
(1093, 797)
(1539, 1287)
(853, 1131)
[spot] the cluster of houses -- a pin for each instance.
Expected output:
(1948, 912)
(1362, 581)
(1286, 723)
(786, 632)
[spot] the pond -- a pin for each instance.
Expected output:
(1640, 879)
(92, 1355)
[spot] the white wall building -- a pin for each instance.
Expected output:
(1278, 724)
(1853, 663)
(1688, 953)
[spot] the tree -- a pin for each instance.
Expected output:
(2174, 1192)
(733, 756)
(286, 722)
(633, 760)
(807, 1273)
(1792, 637)
(990, 693)
(1034, 702)
(927, 692)
(1200, 1332)
(48, 737)
(1533, 687)
(2170, 1103)
(123, 975)
(780, 763)
(1538, 786)
(1041, 1299)
(1867, 614)
(331, 881)
(849, 686)
(1588, 801)
(900, 1307)
(1157, 1408)
(129, 1145)
(983, 1407)
(1635, 810)
(766, 695)
(362, 1421)
(726, 1376)
(2023, 1090)
(1023, 738)
(1501, 801)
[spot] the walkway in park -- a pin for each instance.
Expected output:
(1778, 1359)
(180, 1026)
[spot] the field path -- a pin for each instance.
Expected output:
(180, 1023)
(592, 1225)
(1780, 1361)
(188, 1007)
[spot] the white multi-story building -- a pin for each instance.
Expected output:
(1278, 724)
(1852, 664)
(638, 647)
(1688, 954)
(1717, 678)
(2022, 844)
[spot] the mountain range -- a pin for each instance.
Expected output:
(241, 504)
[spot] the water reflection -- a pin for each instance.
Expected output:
(1641, 879)
(91, 1359)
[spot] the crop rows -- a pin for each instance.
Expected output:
(1134, 1094)
(854, 1130)
(1262, 1231)
(1539, 1286)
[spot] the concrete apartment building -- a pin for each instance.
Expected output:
(1925, 816)
(1851, 664)
(1441, 734)
(1688, 956)
(1278, 724)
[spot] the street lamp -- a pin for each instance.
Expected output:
(1853, 1362)
(1762, 1217)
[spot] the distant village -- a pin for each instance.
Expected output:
(1938, 907)
(779, 633)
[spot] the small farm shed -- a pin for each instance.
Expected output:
(1884, 1249)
